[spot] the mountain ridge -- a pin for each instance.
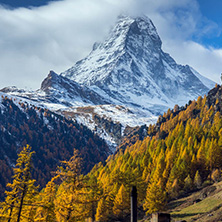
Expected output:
(132, 56)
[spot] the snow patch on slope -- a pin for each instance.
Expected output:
(210, 84)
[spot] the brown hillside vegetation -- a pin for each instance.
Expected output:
(53, 138)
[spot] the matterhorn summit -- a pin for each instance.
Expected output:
(130, 68)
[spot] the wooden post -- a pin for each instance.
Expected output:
(134, 204)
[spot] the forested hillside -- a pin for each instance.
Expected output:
(51, 136)
(181, 154)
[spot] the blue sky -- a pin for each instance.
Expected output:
(25, 3)
(39, 35)
(212, 10)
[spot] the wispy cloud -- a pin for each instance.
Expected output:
(34, 41)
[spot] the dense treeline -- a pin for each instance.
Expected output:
(50, 135)
(182, 153)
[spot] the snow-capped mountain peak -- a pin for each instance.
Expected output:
(130, 67)
(117, 46)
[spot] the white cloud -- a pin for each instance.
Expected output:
(34, 41)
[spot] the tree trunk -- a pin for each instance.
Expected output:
(21, 205)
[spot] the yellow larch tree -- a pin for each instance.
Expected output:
(71, 197)
(45, 204)
(101, 211)
(22, 189)
(155, 198)
(121, 203)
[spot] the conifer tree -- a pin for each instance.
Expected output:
(197, 180)
(216, 175)
(188, 183)
(101, 211)
(45, 210)
(155, 198)
(109, 202)
(214, 155)
(201, 155)
(71, 195)
(121, 203)
(173, 189)
(94, 195)
(22, 189)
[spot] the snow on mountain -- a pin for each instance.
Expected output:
(204, 80)
(109, 121)
(127, 80)
(58, 92)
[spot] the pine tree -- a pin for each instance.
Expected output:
(155, 198)
(109, 202)
(197, 180)
(214, 155)
(22, 188)
(94, 195)
(201, 155)
(101, 211)
(121, 203)
(188, 183)
(216, 175)
(71, 196)
(173, 189)
(220, 138)
(45, 211)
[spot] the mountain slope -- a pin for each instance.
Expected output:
(204, 205)
(62, 90)
(51, 136)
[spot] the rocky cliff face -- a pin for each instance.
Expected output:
(62, 90)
